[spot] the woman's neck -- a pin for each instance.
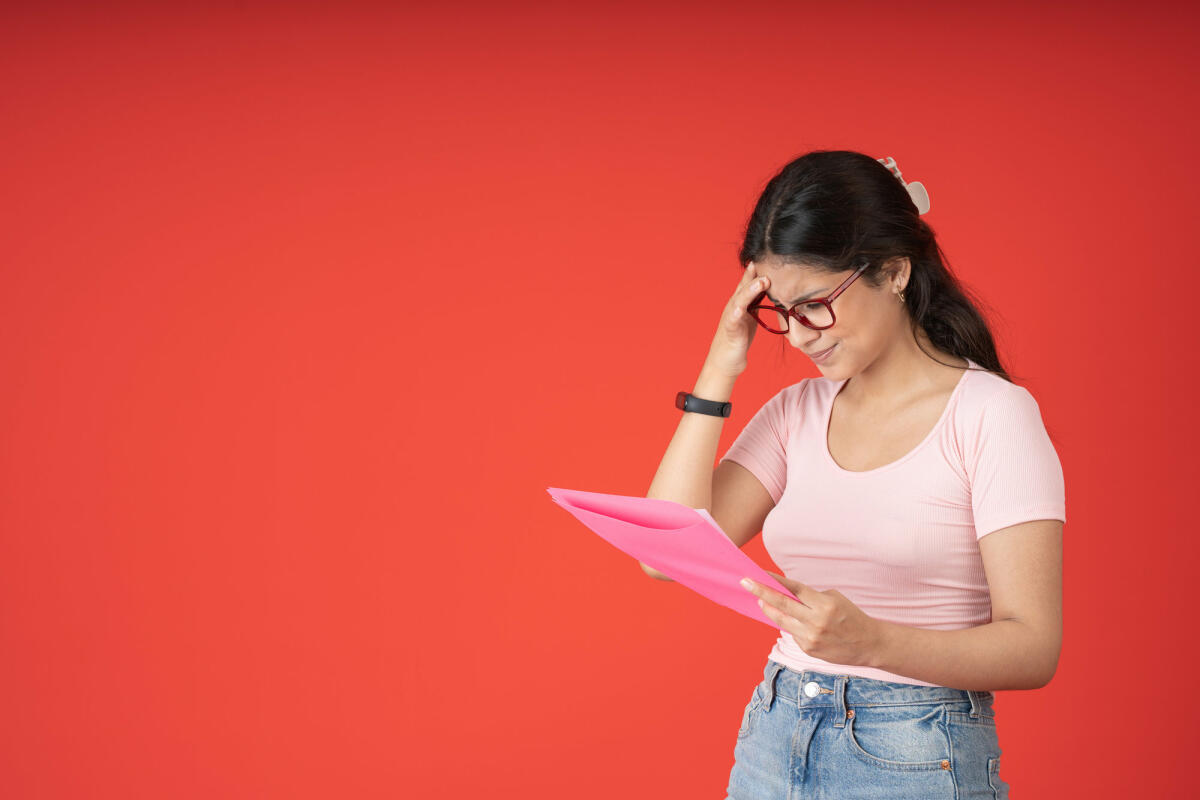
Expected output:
(903, 373)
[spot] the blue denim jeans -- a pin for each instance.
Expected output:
(814, 735)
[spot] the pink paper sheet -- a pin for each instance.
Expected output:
(683, 543)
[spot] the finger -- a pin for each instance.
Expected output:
(787, 582)
(769, 610)
(746, 296)
(747, 275)
(752, 290)
(783, 602)
(783, 620)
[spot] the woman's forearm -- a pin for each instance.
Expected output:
(685, 473)
(1004, 654)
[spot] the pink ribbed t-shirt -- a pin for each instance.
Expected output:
(900, 541)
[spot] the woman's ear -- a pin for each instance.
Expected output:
(897, 270)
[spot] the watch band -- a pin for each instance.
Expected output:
(689, 402)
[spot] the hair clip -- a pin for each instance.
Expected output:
(916, 190)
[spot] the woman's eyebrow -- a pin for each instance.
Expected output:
(797, 300)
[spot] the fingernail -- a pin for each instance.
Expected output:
(746, 584)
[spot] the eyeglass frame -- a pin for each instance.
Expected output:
(827, 301)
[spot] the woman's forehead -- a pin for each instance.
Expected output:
(790, 281)
(798, 269)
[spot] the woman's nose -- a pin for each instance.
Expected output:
(800, 336)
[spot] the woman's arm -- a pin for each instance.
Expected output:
(685, 473)
(1019, 648)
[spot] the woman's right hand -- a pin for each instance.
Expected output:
(735, 332)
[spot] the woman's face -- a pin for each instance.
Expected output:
(866, 319)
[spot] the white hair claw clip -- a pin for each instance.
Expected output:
(916, 190)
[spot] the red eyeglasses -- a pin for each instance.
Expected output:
(815, 313)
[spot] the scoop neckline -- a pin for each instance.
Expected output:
(911, 453)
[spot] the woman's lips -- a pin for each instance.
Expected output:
(821, 356)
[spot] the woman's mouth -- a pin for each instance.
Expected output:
(823, 355)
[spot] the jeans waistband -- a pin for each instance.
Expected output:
(813, 689)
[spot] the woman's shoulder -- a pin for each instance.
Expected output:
(802, 391)
(989, 402)
(982, 387)
(790, 401)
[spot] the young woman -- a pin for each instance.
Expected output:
(910, 494)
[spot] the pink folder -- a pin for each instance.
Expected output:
(683, 543)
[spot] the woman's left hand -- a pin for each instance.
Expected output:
(826, 625)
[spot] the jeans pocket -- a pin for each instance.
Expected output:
(999, 786)
(906, 737)
(976, 751)
(751, 711)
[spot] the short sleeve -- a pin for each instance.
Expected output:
(761, 447)
(1014, 470)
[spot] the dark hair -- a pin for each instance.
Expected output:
(835, 209)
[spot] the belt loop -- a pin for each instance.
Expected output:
(772, 671)
(839, 701)
(977, 699)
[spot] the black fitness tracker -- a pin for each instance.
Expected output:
(689, 402)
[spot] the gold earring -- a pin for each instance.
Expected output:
(900, 294)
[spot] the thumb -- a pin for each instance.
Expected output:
(782, 579)
(794, 586)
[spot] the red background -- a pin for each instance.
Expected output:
(304, 308)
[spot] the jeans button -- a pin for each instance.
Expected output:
(812, 689)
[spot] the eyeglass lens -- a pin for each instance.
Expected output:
(817, 315)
